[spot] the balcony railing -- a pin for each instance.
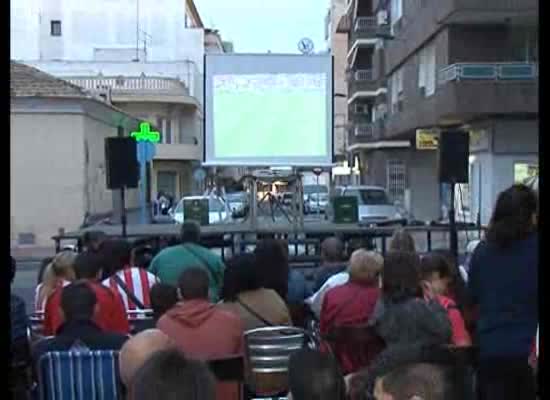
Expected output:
(132, 85)
(489, 71)
(368, 28)
(364, 130)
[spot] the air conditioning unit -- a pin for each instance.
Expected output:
(382, 18)
(361, 109)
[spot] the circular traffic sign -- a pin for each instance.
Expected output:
(306, 46)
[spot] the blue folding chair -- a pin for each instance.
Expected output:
(79, 375)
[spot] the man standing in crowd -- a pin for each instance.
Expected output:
(171, 262)
(199, 328)
(111, 315)
(78, 307)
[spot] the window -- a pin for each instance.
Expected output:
(427, 70)
(168, 131)
(167, 182)
(160, 128)
(55, 28)
(397, 182)
(524, 172)
(396, 82)
(396, 12)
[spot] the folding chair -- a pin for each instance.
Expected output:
(79, 375)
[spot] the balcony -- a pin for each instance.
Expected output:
(178, 152)
(469, 91)
(362, 84)
(489, 71)
(131, 89)
(346, 20)
(485, 11)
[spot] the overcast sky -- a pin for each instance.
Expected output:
(256, 26)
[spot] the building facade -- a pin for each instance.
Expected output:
(57, 156)
(147, 59)
(460, 64)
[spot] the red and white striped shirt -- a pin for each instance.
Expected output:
(139, 283)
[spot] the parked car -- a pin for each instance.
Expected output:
(218, 210)
(317, 202)
(373, 202)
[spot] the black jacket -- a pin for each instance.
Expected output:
(84, 332)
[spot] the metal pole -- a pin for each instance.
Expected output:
(142, 192)
(123, 219)
(452, 226)
(137, 30)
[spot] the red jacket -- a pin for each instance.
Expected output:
(111, 316)
(348, 305)
(202, 330)
(461, 337)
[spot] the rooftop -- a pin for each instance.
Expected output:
(26, 81)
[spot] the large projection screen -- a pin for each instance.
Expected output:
(268, 110)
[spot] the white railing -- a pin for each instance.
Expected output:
(128, 85)
(512, 71)
(366, 24)
(364, 130)
(363, 75)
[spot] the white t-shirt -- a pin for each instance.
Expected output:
(316, 300)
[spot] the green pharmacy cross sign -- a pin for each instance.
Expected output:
(145, 134)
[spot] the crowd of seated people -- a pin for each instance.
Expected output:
(402, 325)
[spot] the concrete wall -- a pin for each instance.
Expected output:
(338, 44)
(46, 174)
(104, 25)
(98, 199)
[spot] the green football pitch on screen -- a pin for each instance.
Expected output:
(270, 115)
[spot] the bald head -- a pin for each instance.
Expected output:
(138, 349)
(364, 266)
(332, 250)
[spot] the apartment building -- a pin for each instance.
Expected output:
(146, 59)
(440, 64)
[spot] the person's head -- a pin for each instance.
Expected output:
(163, 297)
(514, 216)
(78, 302)
(115, 254)
(193, 284)
(365, 266)
(400, 278)
(13, 269)
(272, 258)
(241, 275)
(91, 240)
(435, 270)
(88, 265)
(402, 241)
(141, 256)
(138, 349)
(313, 375)
(332, 250)
(415, 382)
(63, 265)
(44, 264)
(169, 375)
(190, 232)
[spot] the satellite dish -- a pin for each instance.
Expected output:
(306, 46)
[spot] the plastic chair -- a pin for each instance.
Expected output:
(79, 375)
